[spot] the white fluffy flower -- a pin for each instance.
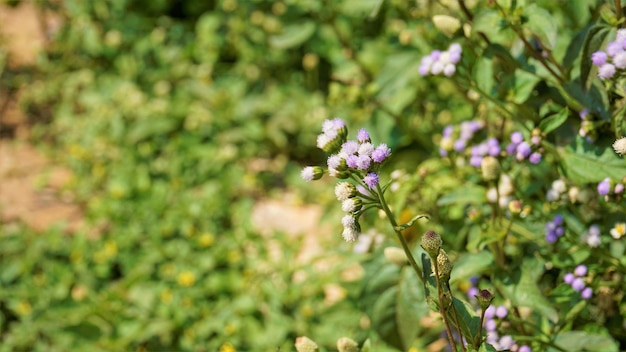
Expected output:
(620, 146)
(344, 190)
(350, 228)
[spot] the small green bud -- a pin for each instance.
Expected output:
(396, 256)
(431, 242)
(490, 168)
(305, 344)
(346, 344)
(443, 265)
(484, 298)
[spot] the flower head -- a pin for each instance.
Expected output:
(606, 71)
(345, 190)
(534, 158)
(363, 136)
(599, 58)
(371, 180)
(620, 146)
(352, 205)
(351, 228)
(381, 153)
(580, 270)
(586, 293)
(578, 284)
(592, 236)
(311, 173)
(431, 243)
(618, 230)
(604, 187)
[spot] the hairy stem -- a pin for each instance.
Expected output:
(394, 224)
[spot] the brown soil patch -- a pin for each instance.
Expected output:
(30, 185)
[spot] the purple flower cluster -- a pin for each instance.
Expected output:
(607, 187)
(438, 62)
(358, 156)
(554, 229)
(358, 159)
(494, 317)
(613, 58)
(458, 139)
(577, 282)
(523, 150)
(489, 147)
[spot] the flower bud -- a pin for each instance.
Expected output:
(304, 344)
(346, 344)
(352, 205)
(484, 298)
(490, 168)
(396, 256)
(446, 24)
(620, 146)
(444, 266)
(515, 206)
(311, 173)
(345, 190)
(431, 243)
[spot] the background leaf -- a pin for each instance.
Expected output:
(584, 162)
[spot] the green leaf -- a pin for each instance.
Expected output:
(486, 21)
(574, 48)
(525, 83)
(469, 264)
(553, 122)
(520, 286)
(361, 7)
(596, 36)
(394, 300)
(541, 24)
(397, 88)
(410, 223)
(410, 306)
(469, 321)
(584, 162)
(293, 35)
(483, 74)
(583, 341)
(464, 195)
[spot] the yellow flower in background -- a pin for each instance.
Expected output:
(167, 296)
(234, 257)
(206, 240)
(227, 347)
(618, 230)
(110, 249)
(186, 278)
(23, 308)
(230, 329)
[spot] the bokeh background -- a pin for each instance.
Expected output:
(150, 157)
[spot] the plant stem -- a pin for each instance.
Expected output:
(394, 224)
(443, 309)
